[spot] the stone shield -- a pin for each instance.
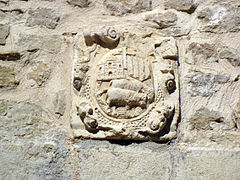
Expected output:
(122, 91)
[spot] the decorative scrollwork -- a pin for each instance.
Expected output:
(106, 37)
(171, 85)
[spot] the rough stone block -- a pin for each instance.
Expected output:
(219, 19)
(130, 161)
(203, 84)
(4, 32)
(163, 20)
(40, 74)
(79, 3)
(110, 160)
(27, 140)
(232, 55)
(31, 42)
(202, 53)
(207, 163)
(7, 77)
(42, 17)
(121, 8)
(181, 5)
(168, 49)
(60, 102)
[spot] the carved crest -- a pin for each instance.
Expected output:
(124, 84)
(121, 91)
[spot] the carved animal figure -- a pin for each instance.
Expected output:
(132, 93)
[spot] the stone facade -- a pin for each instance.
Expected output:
(129, 89)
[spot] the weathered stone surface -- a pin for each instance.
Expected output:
(163, 20)
(202, 53)
(79, 3)
(132, 160)
(40, 74)
(8, 16)
(3, 16)
(195, 52)
(183, 5)
(207, 80)
(60, 103)
(232, 55)
(7, 77)
(10, 56)
(4, 1)
(219, 19)
(204, 119)
(169, 23)
(236, 115)
(200, 162)
(27, 140)
(50, 43)
(203, 84)
(168, 49)
(120, 8)
(4, 32)
(42, 17)
(3, 108)
(208, 53)
(141, 6)
(126, 161)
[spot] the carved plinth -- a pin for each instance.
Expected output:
(124, 85)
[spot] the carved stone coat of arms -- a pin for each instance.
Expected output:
(124, 85)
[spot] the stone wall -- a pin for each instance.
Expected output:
(37, 39)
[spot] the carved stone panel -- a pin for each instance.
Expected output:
(125, 85)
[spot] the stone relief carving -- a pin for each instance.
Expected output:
(124, 86)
